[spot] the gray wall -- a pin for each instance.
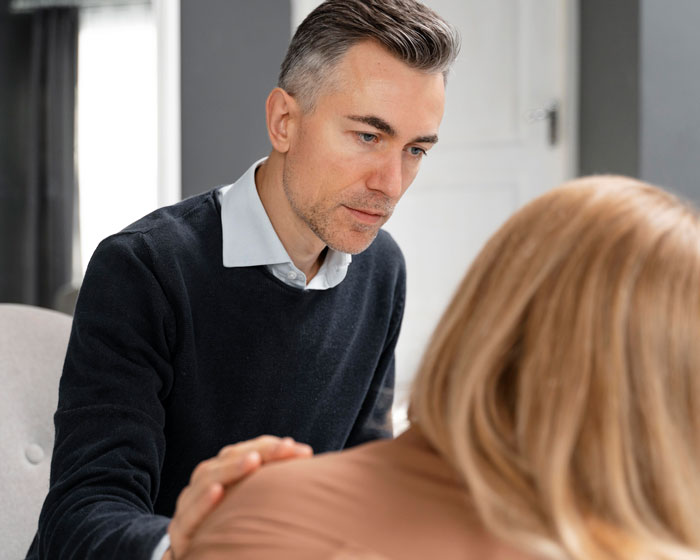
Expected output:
(640, 91)
(231, 51)
(670, 95)
(609, 87)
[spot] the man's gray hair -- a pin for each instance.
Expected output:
(407, 29)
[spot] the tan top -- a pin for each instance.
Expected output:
(391, 499)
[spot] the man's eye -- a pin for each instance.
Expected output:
(367, 137)
(416, 151)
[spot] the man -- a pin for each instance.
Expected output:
(239, 312)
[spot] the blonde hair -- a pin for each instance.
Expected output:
(563, 381)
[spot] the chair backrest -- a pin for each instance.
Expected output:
(33, 345)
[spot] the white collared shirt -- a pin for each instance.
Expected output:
(250, 240)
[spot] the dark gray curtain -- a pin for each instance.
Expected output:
(37, 212)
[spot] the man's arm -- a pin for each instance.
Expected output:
(110, 444)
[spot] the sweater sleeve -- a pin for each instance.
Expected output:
(374, 420)
(109, 444)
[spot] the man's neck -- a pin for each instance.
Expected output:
(305, 249)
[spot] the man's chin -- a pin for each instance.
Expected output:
(353, 242)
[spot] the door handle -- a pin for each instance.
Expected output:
(549, 113)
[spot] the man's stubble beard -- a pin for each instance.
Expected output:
(320, 223)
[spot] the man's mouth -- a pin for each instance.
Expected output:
(366, 216)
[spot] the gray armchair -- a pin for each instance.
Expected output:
(33, 344)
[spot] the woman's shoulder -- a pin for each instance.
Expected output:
(390, 498)
(308, 477)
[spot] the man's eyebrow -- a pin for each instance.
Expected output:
(381, 124)
(376, 122)
(431, 139)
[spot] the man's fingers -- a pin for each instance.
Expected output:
(287, 448)
(270, 448)
(236, 461)
(195, 504)
(206, 486)
(205, 491)
(226, 469)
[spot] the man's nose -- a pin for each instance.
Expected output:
(387, 176)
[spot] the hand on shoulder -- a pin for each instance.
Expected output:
(206, 487)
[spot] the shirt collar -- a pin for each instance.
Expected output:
(248, 236)
(250, 240)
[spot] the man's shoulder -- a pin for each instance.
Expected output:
(176, 225)
(197, 210)
(183, 235)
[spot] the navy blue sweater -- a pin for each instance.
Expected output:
(173, 356)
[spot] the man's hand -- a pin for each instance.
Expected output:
(206, 487)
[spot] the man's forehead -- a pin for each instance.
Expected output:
(372, 86)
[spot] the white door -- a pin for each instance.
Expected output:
(495, 152)
(498, 148)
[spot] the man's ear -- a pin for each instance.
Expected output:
(281, 111)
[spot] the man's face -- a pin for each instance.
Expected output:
(351, 159)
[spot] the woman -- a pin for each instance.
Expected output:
(556, 413)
